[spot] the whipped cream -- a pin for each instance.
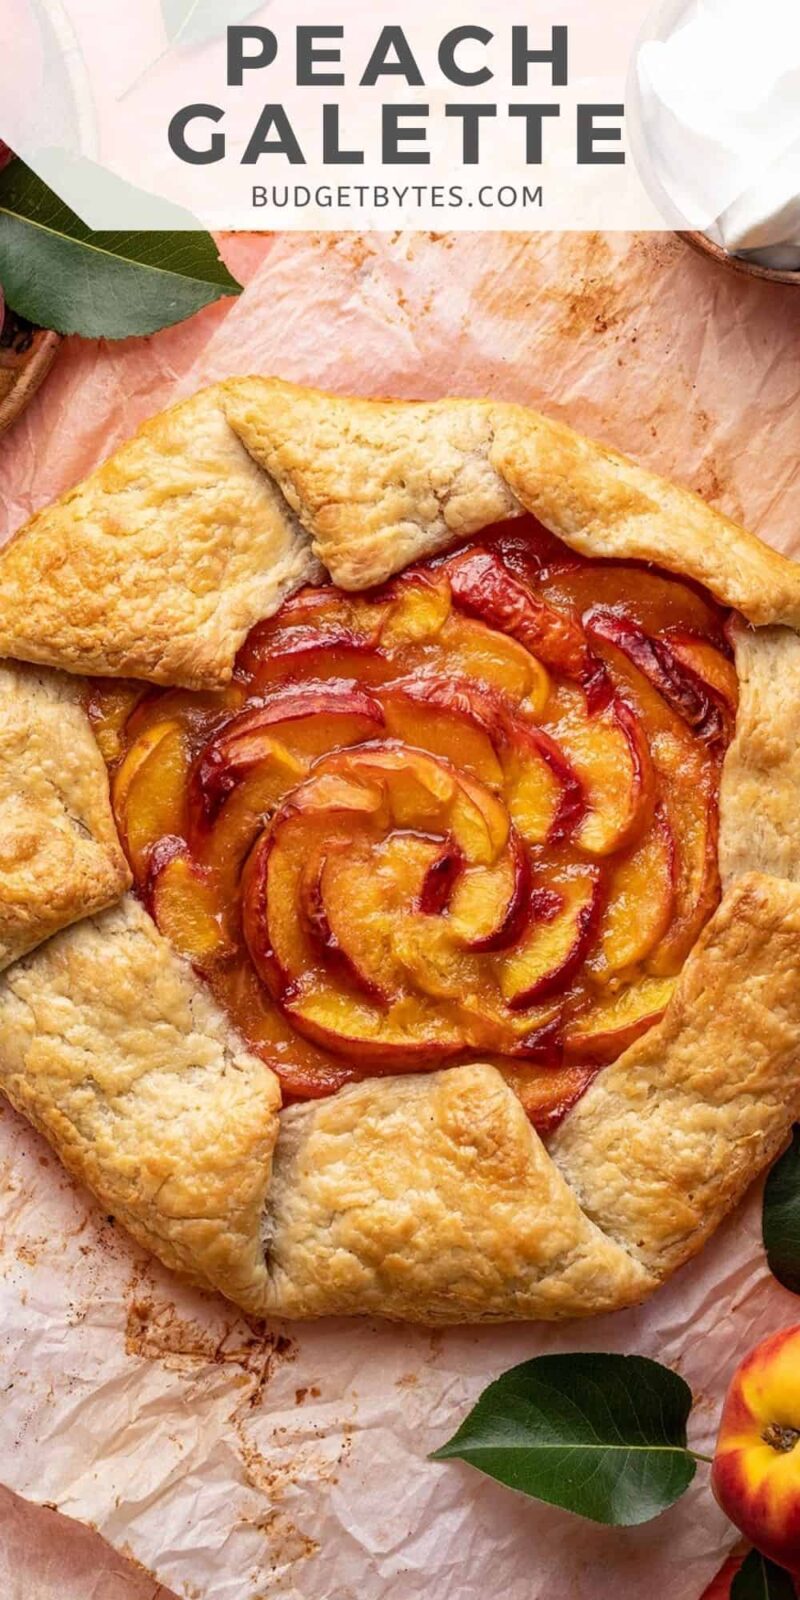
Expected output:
(719, 103)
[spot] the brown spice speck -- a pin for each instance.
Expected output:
(156, 1331)
(29, 1252)
(301, 1395)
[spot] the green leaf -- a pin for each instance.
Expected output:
(195, 21)
(601, 1435)
(780, 1217)
(61, 274)
(760, 1579)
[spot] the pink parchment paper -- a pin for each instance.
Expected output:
(237, 1462)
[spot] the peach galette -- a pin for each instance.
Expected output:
(417, 801)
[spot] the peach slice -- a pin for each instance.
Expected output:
(680, 685)
(405, 1038)
(183, 904)
(418, 610)
(109, 704)
(654, 600)
(640, 904)
(544, 793)
(557, 942)
(434, 964)
(490, 906)
(712, 668)
(547, 1093)
(483, 585)
(432, 715)
(688, 788)
(475, 728)
(199, 712)
(462, 647)
(307, 718)
(425, 793)
(303, 652)
(608, 1029)
(452, 980)
(529, 549)
(320, 607)
(351, 899)
(149, 791)
(694, 818)
(469, 650)
(334, 912)
(608, 752)
(224, 844)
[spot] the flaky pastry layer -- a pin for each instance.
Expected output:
(159, 563)
(119, 1056)
(60, 858)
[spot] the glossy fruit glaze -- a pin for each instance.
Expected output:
(472, 814)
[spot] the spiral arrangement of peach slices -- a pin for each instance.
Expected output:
(472, 814)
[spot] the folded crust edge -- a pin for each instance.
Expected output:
(158, 564)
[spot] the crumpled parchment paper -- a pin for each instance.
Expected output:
(45, 1556)
(238, 1462)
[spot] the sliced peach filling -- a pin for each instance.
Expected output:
(472, 814)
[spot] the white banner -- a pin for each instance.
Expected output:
(328, 117)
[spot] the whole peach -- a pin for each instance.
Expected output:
(756, 1471)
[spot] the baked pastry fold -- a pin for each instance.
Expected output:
(158, 565)
(60, 858)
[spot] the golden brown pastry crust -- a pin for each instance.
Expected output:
(60, 858)
(427, 1197)
(669, 1137)
(380, 483)
(760, 792)
(119, 1056)
(160, 562)
(432, 1199)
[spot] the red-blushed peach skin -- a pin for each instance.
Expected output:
(756, 1471)
(422, 824)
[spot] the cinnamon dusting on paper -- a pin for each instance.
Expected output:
(29, 1252)
(589, 291)
(156, 1331)
(301, 1395)
(275, 1481)
(354, 249)
(717, 475)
